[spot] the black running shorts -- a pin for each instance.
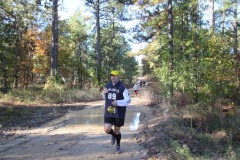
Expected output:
(118, 122)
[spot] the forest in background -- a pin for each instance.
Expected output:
(28, 45)
(192, 55)
(192, 45)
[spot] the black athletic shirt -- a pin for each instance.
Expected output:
(120, 93)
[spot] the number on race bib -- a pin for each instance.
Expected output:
(112, 96)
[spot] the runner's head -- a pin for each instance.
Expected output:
(114, 76)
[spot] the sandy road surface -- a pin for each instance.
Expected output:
(65, 141)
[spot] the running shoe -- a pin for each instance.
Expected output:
(118, 151)
(113, 140)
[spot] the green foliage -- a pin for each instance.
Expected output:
(53, 88)
(237, 152)
(204, 67)
(163, 77)
(193, 138)
(185, 152)
(231, 154)
(115, 55)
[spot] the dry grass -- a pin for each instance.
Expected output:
(190, 131)
(52, 95)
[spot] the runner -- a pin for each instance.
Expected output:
(116, 99)
(135, 87)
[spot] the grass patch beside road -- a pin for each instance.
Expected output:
(51, 95)
(38, 104)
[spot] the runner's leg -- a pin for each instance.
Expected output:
(118, 139)
(108, 129)
(118, 136)
(119, 122)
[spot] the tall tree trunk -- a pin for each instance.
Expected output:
(223, 21)
(211, 22)
(98, 45)
(235, 49)
(3, 67)
(113, 35)
(170, 46)
(195, 57)
(54, 47)
(16, 56)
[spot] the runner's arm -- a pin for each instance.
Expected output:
(104, 92)
(126, 99)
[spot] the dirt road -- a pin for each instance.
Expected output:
(66, 139)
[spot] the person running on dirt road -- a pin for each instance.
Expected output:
(117, 98)
(135, 87)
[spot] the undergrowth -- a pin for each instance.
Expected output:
(194, 130)
(51, 92)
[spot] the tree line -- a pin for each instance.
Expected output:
(36, 44)
(192, 44)
(192, 47)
